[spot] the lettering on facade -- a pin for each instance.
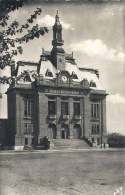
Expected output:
(63, 92)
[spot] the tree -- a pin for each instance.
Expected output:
(116, 140)
(9, 45)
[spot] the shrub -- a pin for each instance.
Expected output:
(116, 140)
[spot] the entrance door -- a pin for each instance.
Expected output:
(52, 131)
(64, 131)
(77, 131)
(63, 134)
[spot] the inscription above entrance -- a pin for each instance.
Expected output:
(53, 91)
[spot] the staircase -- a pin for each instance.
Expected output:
(58, 144)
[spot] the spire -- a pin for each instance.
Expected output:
(57, 52)
(57, 18)
(57, 32)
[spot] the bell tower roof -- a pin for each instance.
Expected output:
(57, 22)
(57, 52)
(57, 32)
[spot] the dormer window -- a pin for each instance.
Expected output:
(92, 83)
(74, 75)
(48, 73)
(43, 58)
(27, 78)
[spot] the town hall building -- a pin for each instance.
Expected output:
(55, 98)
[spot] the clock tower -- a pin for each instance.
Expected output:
(57, 53)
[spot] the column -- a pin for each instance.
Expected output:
(82, 116)
(58, 108)
(70, 109)
(19, 121)
(100, 121)
(58, 126)
(43, 112)
(36, 118)
(103, 120)
(87, 116)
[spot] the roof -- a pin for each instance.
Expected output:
(91, 76)
(26, 66)
(46, 66)
(84, 73)
(73, 68)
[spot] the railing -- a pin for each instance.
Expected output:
(77, 117)
(28, 135)
(52, 116)
(94, 118)
(65, 117)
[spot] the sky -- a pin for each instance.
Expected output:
(95, 34)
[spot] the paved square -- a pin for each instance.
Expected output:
(62, 172)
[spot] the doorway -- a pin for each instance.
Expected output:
(64, 131)
(77, 131)
(63, 134)
(52, 132)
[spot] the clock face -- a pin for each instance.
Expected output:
(64, 78)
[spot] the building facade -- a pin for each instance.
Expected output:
(55, 98)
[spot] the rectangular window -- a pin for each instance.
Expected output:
(27, 108)
(95, 129)
(25, 128)
(32, 141)
(95, 110)
(28, 128)
(92, 105)
(31, 129)
(64, 108)
(52, 107)
(98, 131)
(26, 141)
(76, 108)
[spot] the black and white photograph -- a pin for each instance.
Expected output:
(62, 97)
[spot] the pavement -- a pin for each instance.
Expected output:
(61, 150)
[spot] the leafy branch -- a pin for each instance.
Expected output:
(10, 40)
(12, 80)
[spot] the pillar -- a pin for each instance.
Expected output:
(87, 116)
(103, 121)
(82, 116)
(58, 108)
(43, 112)
(70, 110)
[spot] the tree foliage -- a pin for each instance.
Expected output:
(116, 140)
(10, 36)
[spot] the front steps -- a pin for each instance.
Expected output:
(58, 144)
